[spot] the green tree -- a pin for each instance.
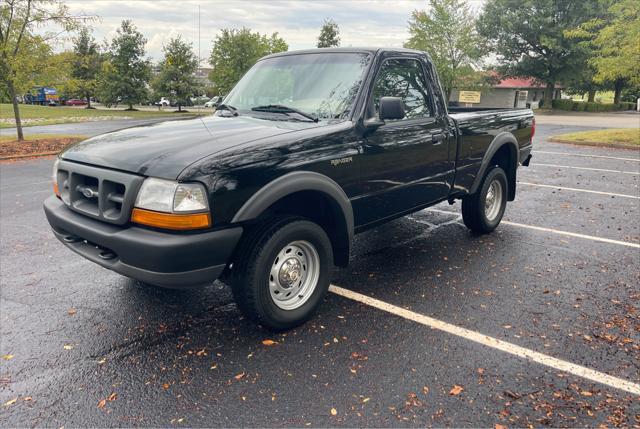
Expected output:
(329, 34)
(529, 37)
(125, 73)
(617, 46)
(235, 51)
(176, 79)
(447, 31)
(23, 54)
(86, 64)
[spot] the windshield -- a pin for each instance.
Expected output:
(323, 84)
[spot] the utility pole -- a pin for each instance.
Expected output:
(199, 36)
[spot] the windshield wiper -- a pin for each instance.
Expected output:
(228, 107)
(279, 108)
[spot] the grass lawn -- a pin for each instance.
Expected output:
(615, 137)
(36, 144)
(44, 115)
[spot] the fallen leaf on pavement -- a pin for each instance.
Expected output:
(456, 390)
(511, 394)
(10, 402)
(102, 403)
(268, 342)
(68, 347)
(239, 376)
(27, 398)
(334, 412)
(499, 426)
(7, 357)
(112, 397)
(71, 311)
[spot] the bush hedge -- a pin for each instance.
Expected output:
(581, 106)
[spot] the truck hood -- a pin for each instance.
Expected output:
(164, 149)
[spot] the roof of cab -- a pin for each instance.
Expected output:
(346, 50)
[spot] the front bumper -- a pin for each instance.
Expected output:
(175, 260)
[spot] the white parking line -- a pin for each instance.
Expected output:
(485, 340)
(578, 190)
(585, 168)
(587, 156)
(554, 231)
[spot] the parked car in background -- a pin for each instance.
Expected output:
(164, 102)
(199, 100)
(214, 101)
(75, 102)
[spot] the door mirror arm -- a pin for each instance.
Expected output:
(370, 125)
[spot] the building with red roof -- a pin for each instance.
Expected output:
(511, 92)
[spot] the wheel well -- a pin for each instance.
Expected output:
(506, 158)
(320, 208)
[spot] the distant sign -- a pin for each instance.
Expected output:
(469, 97)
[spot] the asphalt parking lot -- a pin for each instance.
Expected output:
(536, 324)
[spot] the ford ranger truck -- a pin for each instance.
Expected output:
(308, 149)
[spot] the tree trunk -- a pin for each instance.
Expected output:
(179, 107)
(88, 101)
(592, 96)
(16, 109)
(618, 90)
(548, 95)
(130, 106)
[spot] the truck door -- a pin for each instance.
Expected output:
(405, 163)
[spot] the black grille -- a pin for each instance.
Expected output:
(104, 194)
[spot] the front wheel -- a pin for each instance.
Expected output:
(483, 211)
(282, 272)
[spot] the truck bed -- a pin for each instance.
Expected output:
(477, 128)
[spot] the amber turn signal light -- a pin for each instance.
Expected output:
(180, 222)
(56, 190)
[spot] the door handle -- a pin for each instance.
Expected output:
(437, 138)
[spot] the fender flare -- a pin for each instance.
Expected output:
(291, 183)
(499, 141)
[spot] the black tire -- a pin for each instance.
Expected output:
(474, 213)
(253, 264)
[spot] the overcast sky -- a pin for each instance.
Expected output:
(362, 22)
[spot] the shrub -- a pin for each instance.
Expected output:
(562, 104)
(579, 106)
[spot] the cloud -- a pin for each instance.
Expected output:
(362, 22)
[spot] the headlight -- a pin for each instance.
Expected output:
(169, 196)
(54, 177)
(168, 204)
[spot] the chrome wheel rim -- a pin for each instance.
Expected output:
(294, 275)
(493, 201)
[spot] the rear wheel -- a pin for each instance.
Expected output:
(483, 211)
(282, 272)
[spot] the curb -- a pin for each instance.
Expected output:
(596, 144)
(32, 155)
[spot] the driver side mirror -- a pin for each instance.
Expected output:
(391, 108)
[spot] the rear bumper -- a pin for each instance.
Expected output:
(165, 259)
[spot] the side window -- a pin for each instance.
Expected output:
(403, 78)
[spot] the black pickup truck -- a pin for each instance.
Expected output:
(308, 149)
